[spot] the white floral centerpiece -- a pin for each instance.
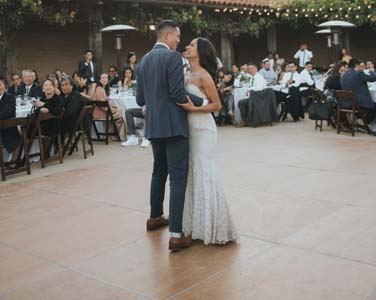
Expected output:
(244, 78)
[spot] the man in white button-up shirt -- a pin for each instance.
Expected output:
(290, 79)
(257, 82)
(304, 55)
(306, 77)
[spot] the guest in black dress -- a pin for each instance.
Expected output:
(73, 105)
(227, 98)
(11, 138)
(49, 103)
(334, 81)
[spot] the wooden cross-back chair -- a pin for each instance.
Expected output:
(109, 120)
(19, 167)
(79, 132)
(347, 118)
(36, 132)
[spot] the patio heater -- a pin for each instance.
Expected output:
(119, 31)
(336, 28)
(328, 35)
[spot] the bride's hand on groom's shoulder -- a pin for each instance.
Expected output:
(189, 106)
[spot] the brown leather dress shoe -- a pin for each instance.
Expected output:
(154, 224)
(178, 244)
(241, 125)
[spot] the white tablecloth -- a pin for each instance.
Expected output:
(23, 111)
(126, 101)
(372, 91)
(239, 94)
(319, 81)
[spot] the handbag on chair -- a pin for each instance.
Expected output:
(319, 111)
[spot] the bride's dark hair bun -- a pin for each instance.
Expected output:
(207, 56)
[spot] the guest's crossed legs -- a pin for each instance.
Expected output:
(130, 115)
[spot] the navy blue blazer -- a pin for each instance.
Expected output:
(160, 85)
(356, 81)
(35, 91)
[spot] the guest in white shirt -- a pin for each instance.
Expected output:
(307, 83)
(290, 79)
(306, 77)
(268, 73)
(304, 55)
(290, 93)
(257, 82)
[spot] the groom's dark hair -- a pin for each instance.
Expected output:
(164, 25)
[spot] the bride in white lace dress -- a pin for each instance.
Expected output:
(206, 214)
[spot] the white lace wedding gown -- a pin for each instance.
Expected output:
(206, 214)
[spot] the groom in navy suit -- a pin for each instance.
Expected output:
(160, 85)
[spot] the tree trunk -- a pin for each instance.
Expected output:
(227, 51)
(271, 33)
(95, 34)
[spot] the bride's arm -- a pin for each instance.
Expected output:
(211, 92)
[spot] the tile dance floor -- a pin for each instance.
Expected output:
(304, 203)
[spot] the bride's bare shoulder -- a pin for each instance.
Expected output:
(205, 78)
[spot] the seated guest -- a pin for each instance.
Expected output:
(132, 139)
(279, 62)
(356, 80)
(113, 76)
(244, 68)
(235, 71)
(52, 77)
(49, 103)
(16, 84)
(101, 93)
(334, 81)
(73, 104)
(77, 78)
(220, 75)
(35, 76)
(268, 73)
(131, 62)
(285, 69)
(10, 137)
(227, 98)
(29, 87)
(257, 83)
(289, 80)
(306, 80)
(59, 75)
(88, 68)
(270, 58)
(128, 77)
(86, 89)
